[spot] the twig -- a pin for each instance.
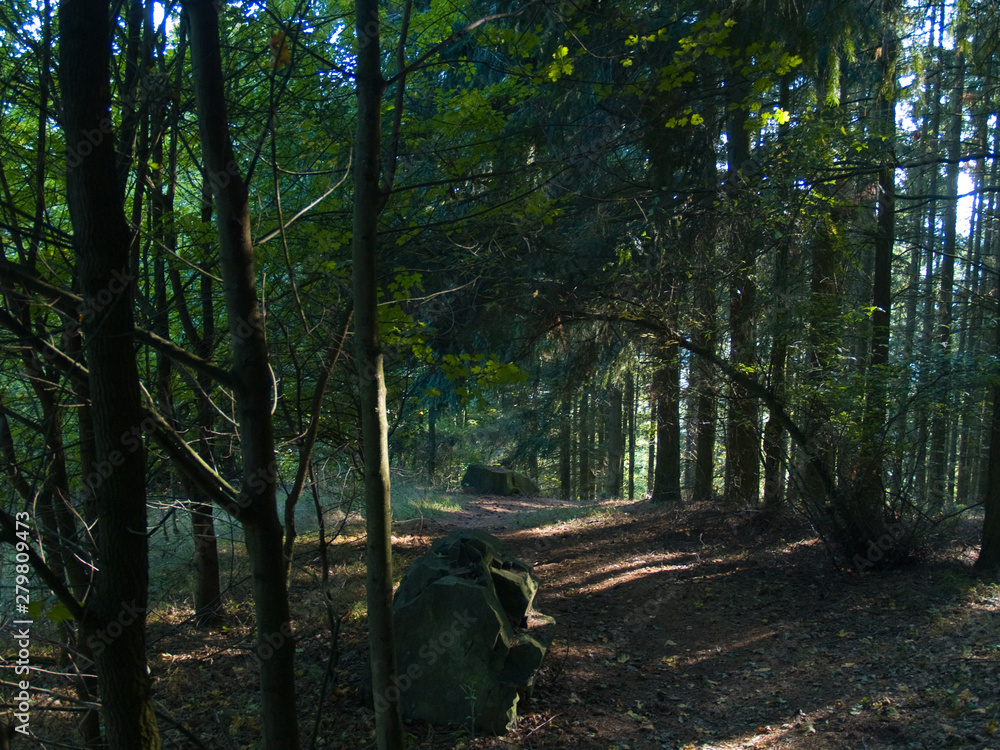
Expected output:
(551, 718)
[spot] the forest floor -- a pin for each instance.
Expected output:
(680, 628)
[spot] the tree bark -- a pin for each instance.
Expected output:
(703, 384)
(630, 427)
(368, 202)
(939, 466)
(116, 611)
(742, 428)
(615, 442)
(666, 379)
(862, 509)
(566, 449)
(586, 479)
(257, 500)
(989, 552)
(651, 452)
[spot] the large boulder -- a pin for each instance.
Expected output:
(496, 480)
(464, 655)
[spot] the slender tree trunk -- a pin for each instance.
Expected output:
(939, 468)
(116, 610)
(969, 489)
(258, 503)
(703, 379)
(208, 594)
(743, 430)
(651, 463)
(932, 135)
(368, 201)
(775, 444)
(585, 480)
(566, 449)
(615, 443)
(989, 552)
(432, 439)
(630, 404)
(666, 380)
(862, 516)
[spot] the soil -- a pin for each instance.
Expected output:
(690, 628)
(676, 628)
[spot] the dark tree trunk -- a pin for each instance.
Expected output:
(989, 552)
(703, 384)
(630, 404)
(651, 453)
(862, 515)
(939, 466)
(116, 610)
(742, 428)
(666, 382)
(775, 444)
(615, 443)
(208, 594)
(432, 440)
(253, 392)
(566, 450)
(586, 478)
(368, 201)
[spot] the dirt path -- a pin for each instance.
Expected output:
(493, 513)
(676, 630)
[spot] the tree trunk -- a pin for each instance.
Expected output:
(368, 201)
(257, 500)
(615, 443)
(651, 453)
(116, 610)
(630, 406)
(742, 428)
(566, 450)
(666, 380)
(862, 510)
(432, 439)
(775, 443)
(703, 385)
(989, 552)
(939, 465)
(585, 480)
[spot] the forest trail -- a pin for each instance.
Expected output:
(677, 629)
(496, 514)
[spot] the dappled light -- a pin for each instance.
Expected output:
(676, 321)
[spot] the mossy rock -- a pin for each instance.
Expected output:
(497, 480)
(463, 655)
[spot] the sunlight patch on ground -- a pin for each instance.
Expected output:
(631, 570)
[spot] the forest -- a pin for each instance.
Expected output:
(723, 279)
